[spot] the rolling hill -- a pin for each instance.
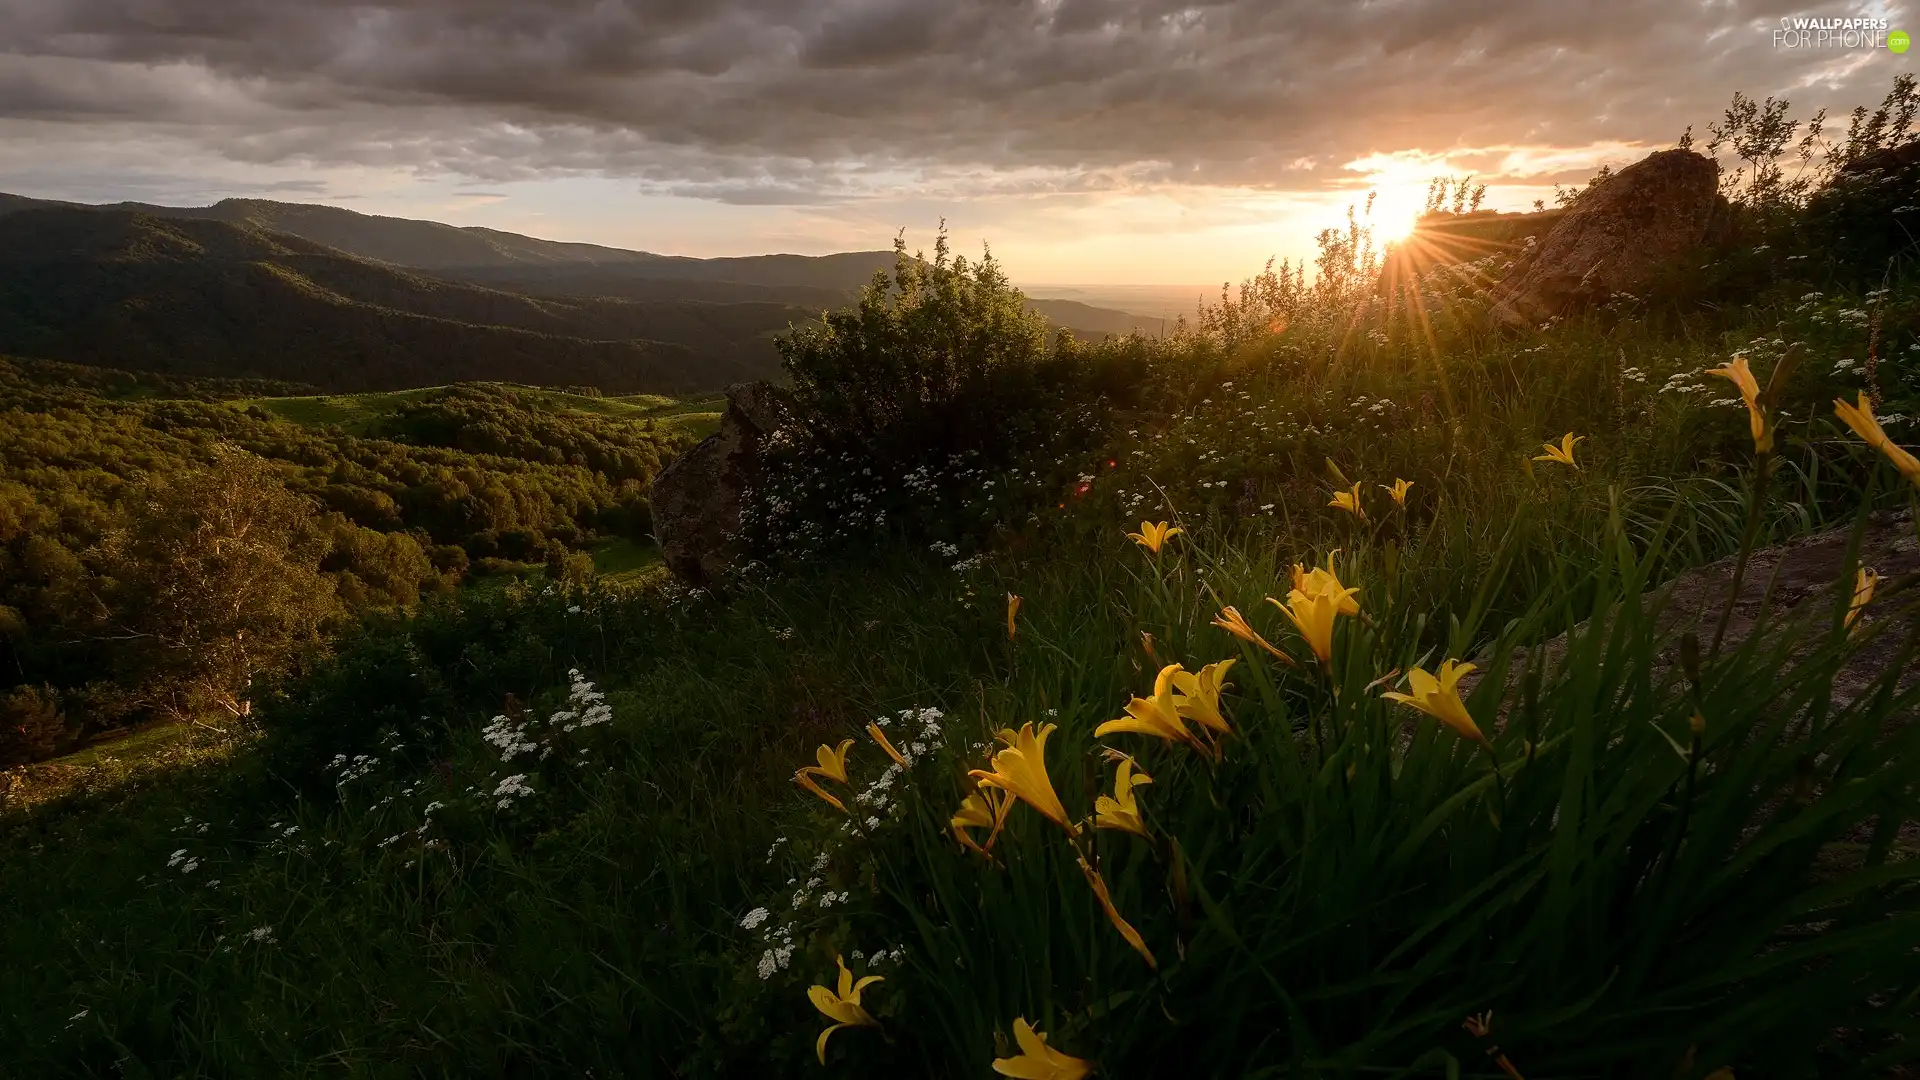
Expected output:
(347, 302)
(201, 297)
(509, 261)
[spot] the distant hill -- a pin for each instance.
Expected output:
(210, 298)
(508, 261)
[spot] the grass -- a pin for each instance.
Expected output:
(625, 562)
(423, 865)
(361, 414)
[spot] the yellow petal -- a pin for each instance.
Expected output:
(880, 737)
(820, 1044)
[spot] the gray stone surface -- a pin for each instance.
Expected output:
(1615, 238)
(696, 499)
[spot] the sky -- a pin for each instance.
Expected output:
(1087, 141)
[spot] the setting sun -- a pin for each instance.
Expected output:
(1395, 210)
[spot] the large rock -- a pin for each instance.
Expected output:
(1791, 586)
(696, 499)
(1615, 238)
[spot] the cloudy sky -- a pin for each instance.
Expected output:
(1088, 140)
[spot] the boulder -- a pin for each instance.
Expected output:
(696, 499)
(1792, 585)
(1615, 238)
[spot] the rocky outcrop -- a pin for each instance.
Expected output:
(1615, 238)
(696, 499)
(1793, 586)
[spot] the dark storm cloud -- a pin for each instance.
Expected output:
(776, 100)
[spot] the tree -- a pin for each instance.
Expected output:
(216, 583)
(31, 724)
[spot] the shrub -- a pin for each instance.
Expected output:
(32, 726)
(940, 376)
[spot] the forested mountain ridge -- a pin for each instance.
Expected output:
(206, 298)
(503, 260)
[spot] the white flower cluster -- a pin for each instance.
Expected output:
(180, 861)
(511, 788)
(350, 769)
(586, 707)
(1685, 382)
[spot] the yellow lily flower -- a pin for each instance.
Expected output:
(1198, 697)
(1013, 608)
(1037, 1060)
(1236, 624)
(1562, 453)
(1860, 418)
(983, 809)
(1126, 929)
(1120, 810)
(1440, 698)
(1864, 581)
(1740, 375)
(833, 766)
(1398, 490)
(1021, 771)
(843, 1008)
(1158, 716)
(1323, 580)
(1154, 535)
(1314, 614)
(880, 737)
(1350, 502)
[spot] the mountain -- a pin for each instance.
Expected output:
(508, 261)
(211, 298)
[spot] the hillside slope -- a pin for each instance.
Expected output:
(210, 298)
(525, 264)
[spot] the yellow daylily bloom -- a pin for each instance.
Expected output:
(983, 809)
(1120, 810)
(833, 766)
(1198, 697)
(1314, 614)
(1037, 1060)
(1562, 453)
(1021, 770)
(1158, 716)
(1099, 885)
(1440, 698)
(1740, 375)
(1236, 624)
(880, 737)
(1324, 580)
(843, 1007)
(1013, 609)
(1864, 581)
(1350, 502)
(1398, 490)
(1154, 535)
(1861, 419)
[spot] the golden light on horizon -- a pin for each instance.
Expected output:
(1396, 209)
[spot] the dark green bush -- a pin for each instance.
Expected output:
(907, 407)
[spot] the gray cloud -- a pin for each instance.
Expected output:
(821, 101)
